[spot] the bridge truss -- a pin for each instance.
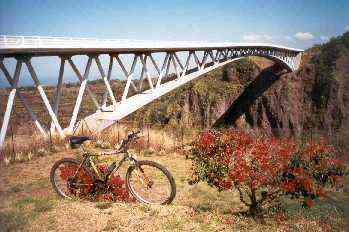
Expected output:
(189, 60)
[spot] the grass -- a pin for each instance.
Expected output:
(196, 208)
(25, 148)
(104, 205)
(12, 221)
(151, 211)
(174, 223)
(30, 186)
(112, 225)
(34, 205)
(30, 203)
(23, 211)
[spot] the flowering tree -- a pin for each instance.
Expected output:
(262, 169)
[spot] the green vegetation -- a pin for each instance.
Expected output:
(104, 204)
(326, 69)
(208, 91)
(24, 211)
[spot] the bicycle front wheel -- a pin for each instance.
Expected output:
(150, 183)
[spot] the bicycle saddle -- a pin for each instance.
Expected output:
(78, 140)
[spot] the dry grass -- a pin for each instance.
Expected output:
(153, 138)
(28, 203)
(25, 147)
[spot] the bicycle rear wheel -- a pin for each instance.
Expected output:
(70, 180)
(150, 183)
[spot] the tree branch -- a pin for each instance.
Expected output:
(241, 195)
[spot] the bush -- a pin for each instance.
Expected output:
(115, 189)
(262, 169)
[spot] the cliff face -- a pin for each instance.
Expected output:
(311, 101)
(256, 93)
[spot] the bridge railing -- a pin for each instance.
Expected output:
(7, 41)
(57, 42)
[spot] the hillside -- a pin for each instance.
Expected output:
(309, 102)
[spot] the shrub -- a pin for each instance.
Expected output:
(114, 190)
(262, 169)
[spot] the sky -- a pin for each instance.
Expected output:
(294, 23)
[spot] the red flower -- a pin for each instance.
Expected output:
(116, 185)
(309, 202)
(81, 177)
(298, 171)
(289, 186)
(320, 192)
(307, 184)
(264, 164)
(207, 139)
(103, 168)
(225, 184)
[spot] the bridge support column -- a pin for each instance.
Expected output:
(128, 75)
(185, 68)
(81, 80)
(80, 95)
(23, 100)
(174, 64)
(104, 101)
(197, 61)
(141, 78)
(106, 80)
(10, 101)
(44, 97)
(58, 92)
(150, 82)
(164, 69)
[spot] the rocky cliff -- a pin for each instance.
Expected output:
(256, 93)
(312, 101)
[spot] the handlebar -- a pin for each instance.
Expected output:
(123, 144)
(133, 134)
(129, 137)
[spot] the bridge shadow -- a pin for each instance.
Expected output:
(253, 91)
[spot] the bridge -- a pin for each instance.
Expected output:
(189, 60)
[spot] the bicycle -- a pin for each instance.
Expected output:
(147, 181)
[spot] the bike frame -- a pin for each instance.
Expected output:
(116, 164)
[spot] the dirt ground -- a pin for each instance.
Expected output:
(28, 203)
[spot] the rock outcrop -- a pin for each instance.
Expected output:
(256, 93)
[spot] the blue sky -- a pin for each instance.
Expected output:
(295, 23)
(219, 20)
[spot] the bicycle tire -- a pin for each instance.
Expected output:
(56, 166)
(168, 175)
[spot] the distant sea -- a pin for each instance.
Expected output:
(26, 81)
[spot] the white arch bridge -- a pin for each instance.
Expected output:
(189, 60)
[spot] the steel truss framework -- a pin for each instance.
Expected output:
(108, 112)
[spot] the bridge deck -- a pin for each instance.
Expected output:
(53, 46)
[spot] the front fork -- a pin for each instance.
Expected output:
(80, 166)
(145, 180)
(96, 171)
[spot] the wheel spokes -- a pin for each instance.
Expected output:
(150, 184)
(72, 181)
